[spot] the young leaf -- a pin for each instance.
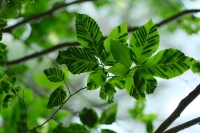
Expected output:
(137, 110)
(8, 101)
(196, 67)
(107, 90)
(120, 34)
(108, 115)
(78, 60)
(89, 117)
(168, 63)
(118, 69)
(54, 75)
(121, 53)
(89, 34)
(144, 42)
(56, 98)
(96, 78)
(107, 131)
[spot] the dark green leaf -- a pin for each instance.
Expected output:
(89, 117)
(57, 97)
(108, 115)
(78, 60)
(168, 63)
(196, 67)
(120, 34)
(96, 78)
(107, 90)
(107, 131)
(144, 42)
(7, 84)
(8, 101)
(118, 69)
(118, 82)
(76, 128)
(16, 70)
(89, 34)
(121, 53)
(54, 75)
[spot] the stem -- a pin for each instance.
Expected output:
(179, 109)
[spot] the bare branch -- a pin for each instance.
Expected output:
(58, 46)
(184, 125)
(42, 15)
(177, 112)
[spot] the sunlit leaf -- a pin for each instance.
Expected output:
(144, 42)
(89, 117)
(96, 78)
(78, 60)
(168, 63)
(76, 128)
(121, 53)
(118, 69)
(118, 82)
(137, 110)
(108, 115)
(107, 91)
(120, 34)
(57, 97)
(89, 34)
(54, 75)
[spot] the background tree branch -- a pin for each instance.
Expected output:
(66, 44)
(42, 15)
(177, 112)
(184, 125)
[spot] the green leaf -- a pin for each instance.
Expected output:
(7, 84)
(144, 42)
(107, 90)
(108, 115)
(89, 117)
(76, 128)
(120, 34)
(196, 67)
(89, 34)
(54, 75)
(118, 69)
(78, 60)
(56, 98)
(121, 53)
(8, 101)
(2, 53)
(96, 78)
(3, 23)
(168, 63)
(137, 110)
(144, 81)
(73, 128)
(118, 82)
(107, 131)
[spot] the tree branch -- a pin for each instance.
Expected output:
(42, 15)
(177, 112)
(183, 126)
(58, 46)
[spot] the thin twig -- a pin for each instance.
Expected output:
(68, 88)
(42, 15)
(60, 107)
(22, 99)
(179, 109)
(184, 125)
(68, 44)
